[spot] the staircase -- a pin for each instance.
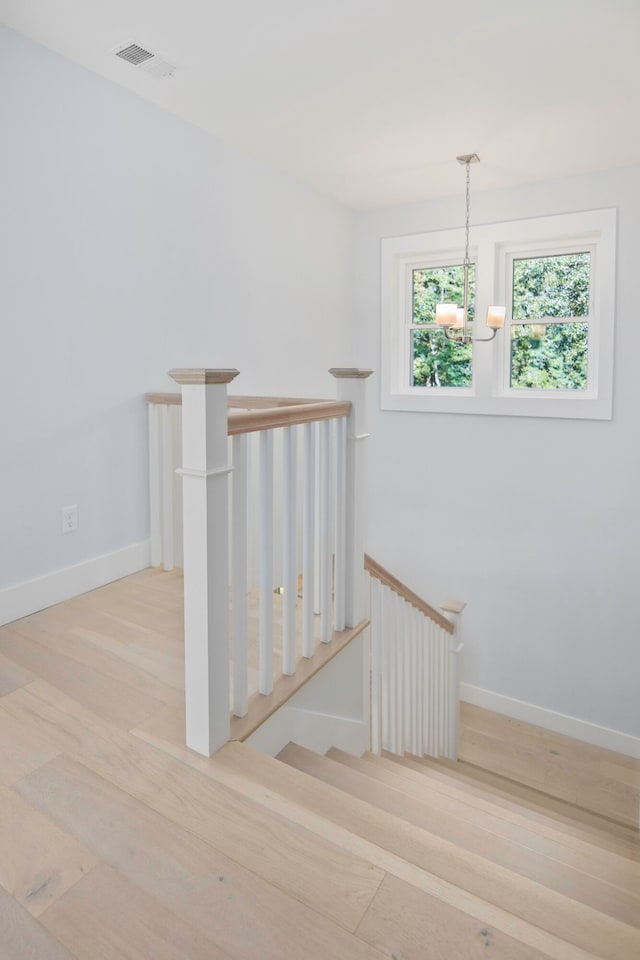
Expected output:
(118, 842)
(466, 868)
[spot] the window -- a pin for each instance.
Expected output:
(436, 361)
(554, 357)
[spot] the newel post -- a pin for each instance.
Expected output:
(352, 386)
(205, 469)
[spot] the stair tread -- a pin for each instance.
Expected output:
(555, 914)
(475, 839)
(555, 814)
(579, 854)
(600, 780)
(527, 792)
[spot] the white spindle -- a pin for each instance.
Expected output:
(385, 612)
(441, 687)
(155, 514)
(430, 680)
(265, 629)
(340, 585)
(420, 689)
(308, 538)
(376, 686)
(239, 577)
(413, 680)
(398, 653)
(444, 641)
(289, 567)
(167, 488)
(326, 552)
(405, 643)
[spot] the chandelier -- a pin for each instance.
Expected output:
(451, 316)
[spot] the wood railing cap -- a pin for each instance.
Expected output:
(203, 375)
(350, 373)
(378, 571)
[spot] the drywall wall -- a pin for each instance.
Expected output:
(131, 243)
(533, 522)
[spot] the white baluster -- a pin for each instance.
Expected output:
(441, 689)
(265, 629)
(239, 577)
(155, 514)
(167, 488)
(444, 641)
(431, 680)
(419, 686)
(413, 679)
(376, 685)
(398, 650)
(405, 643)
(385, 630)
(308, 538)
(326, 552)
(340, 572)
(289, 567)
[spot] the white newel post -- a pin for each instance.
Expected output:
(452, 610)
(352, 386)
(205, 470)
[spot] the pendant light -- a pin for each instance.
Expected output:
(451, 316)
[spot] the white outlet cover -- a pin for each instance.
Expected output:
(70, 518)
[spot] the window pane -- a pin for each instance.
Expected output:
(440, 285)
(549, 356)
(551, 286)
(437, 362)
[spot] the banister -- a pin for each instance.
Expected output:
(253, 414)
(236, 400)
(251, 421)
(379, 572)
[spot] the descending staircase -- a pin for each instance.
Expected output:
(468, 868)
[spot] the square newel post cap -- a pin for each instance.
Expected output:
(350, 373)
(202, 375)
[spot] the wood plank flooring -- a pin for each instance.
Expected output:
(118, 843)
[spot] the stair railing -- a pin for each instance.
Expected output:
(300, 513)
(414, 669)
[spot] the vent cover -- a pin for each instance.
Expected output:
(143, 59)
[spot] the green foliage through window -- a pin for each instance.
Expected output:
(438, 362)
(551, 286)
(550, 356)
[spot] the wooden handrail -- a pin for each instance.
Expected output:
(174, 399)
(375, 570)
(235, 401)
(267, 413)
(250, 421)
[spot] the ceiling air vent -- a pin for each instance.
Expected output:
(143, 59)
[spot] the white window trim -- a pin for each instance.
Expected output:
(493, 247)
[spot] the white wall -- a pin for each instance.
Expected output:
(534, 522)
(131, 243)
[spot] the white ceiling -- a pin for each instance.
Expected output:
(371, 100)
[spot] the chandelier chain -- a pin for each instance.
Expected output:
(466, 223)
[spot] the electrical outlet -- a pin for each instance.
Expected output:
(70, 518)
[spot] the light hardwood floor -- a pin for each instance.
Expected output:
(118, 843)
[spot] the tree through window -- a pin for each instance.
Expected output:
(436, 361)
(551, 297)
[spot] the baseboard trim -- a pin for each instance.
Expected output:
(33, 595)
(551, 720)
